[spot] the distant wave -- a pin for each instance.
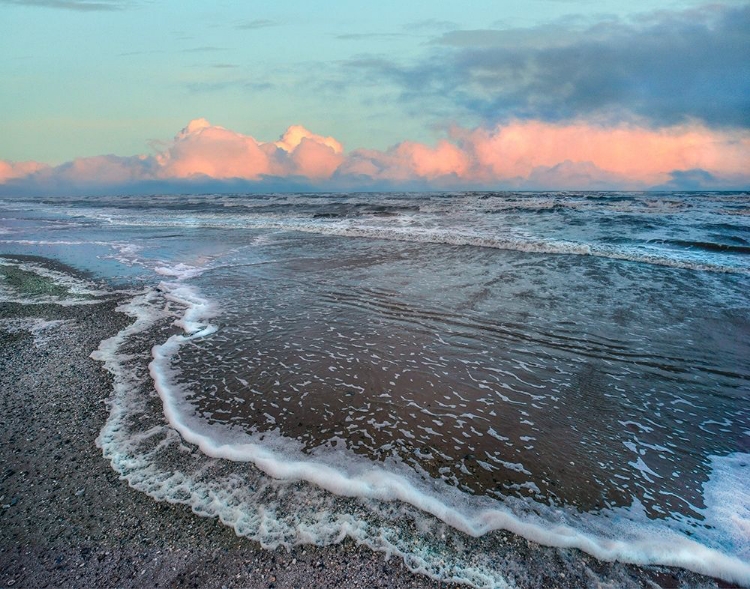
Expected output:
(349, 228)
(708, 246)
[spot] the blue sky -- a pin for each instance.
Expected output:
(82, 78)
(124, 95)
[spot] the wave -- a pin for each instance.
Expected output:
(346, 228)
(464, 219)
(266, 489)
(549, 246)
(521, 245)
(709, 246)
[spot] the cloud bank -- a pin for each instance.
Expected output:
(529, 154)
(666, 67)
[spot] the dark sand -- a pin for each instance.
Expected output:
(67, 520)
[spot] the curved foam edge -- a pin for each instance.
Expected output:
(620, 535)
(236, 504)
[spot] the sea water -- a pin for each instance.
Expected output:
(420, 371)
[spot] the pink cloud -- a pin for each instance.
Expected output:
(637, 155)
(204, 149)
(296, 134)
(574, 155)
(216, 152)
(314, 159)
(409, 161)
(107, 169)
(10, 170)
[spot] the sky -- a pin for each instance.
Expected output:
(146, 96)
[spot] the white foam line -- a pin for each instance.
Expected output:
(669, 548)
(145, 315)
(226, 502)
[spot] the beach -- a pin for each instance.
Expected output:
(69, 520)
(490, 390)
(411, 295)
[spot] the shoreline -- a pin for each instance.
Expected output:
(67, 519)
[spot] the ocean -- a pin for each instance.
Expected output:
(425, 373)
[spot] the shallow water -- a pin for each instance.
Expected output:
(570, 367)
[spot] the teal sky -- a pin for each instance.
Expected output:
(82, 78)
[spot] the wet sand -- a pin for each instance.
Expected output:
(67, 520)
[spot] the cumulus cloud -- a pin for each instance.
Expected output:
(667, 68)
(635, 154)
(202, 149)
(310, 155)
(517, 154)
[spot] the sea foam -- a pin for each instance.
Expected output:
(267, 489)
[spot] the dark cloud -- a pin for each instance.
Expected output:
(78, 5)
(361, 36)
(665, 68)
(698, 179)
(204, 49)
(258, 23)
